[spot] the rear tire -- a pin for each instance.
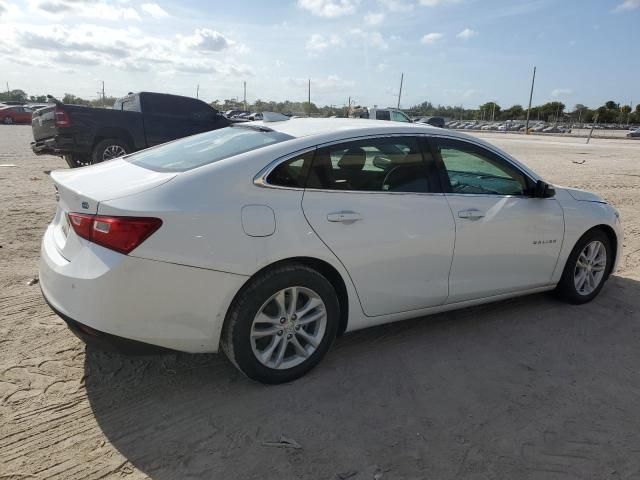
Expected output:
(109, 149)
(271, 338)
(76, 160)
(587, 268)
(7, 120)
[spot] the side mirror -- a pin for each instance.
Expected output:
(543, 190)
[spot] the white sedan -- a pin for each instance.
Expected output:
(271, 238)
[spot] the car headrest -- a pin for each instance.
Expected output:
(353, 159)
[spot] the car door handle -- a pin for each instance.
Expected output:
(344, 217)
(471, 214)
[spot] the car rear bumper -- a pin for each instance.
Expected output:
(106, 341)
(106, 297)
(59, 145)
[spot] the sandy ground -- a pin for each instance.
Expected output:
(525, 389)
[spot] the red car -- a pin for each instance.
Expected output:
(15, 114)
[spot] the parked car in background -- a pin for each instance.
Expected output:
(15, 114)
(433, 121)
(250, 238)
(392, 114)
(86, 135)
(634, 134)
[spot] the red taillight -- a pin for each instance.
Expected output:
(62, 118)
(121, 234)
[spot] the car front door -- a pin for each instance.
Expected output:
(377, 204)
(506, 240)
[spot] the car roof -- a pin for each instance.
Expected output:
(305, 127)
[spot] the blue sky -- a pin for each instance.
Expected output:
(456, 52)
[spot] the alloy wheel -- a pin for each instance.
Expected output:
(288, 328)
(590, 268)
(113, 151)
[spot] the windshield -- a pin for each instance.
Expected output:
(197, 150)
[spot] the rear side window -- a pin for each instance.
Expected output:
(392, 164)
(205, 148)
(383, 115)
(130, 103)
(291, 173)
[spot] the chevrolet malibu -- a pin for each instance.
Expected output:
(269, 239)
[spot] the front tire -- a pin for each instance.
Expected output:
(281, 324)
(587, 268)
(76, 160)
(108, 149)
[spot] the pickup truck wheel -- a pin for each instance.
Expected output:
(109, 149)
(8, 120)
(76, 160)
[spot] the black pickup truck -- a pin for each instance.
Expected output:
(86, 135)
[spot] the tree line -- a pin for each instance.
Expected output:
(610, 112)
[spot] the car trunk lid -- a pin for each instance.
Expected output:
(81, 190)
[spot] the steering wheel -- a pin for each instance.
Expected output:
(385, 182)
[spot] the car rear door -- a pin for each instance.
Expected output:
(377, 204)
(506, 240)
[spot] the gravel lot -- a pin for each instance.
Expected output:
(524, 389)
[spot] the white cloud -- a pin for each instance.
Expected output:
(331, 83)
(318, 43)
(329, 8)
(431, 38)
(3, 8)
(154, 10)
(381, 67)
(466, 34)
(561, 92)
(436, 3)
(371, 39)
(207, 40)
(373, 18)
(397, 5)
(468, 93)
(627, 5)
(128, 49)
(89, 9)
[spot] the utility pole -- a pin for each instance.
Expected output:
(309, 98)
(198, 91)
(103, 94)
(493, 111)
(245, 94)
(593, 125)
(400, 92)
(349, 108)
(533, 80)
(8, 91)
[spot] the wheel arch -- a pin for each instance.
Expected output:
(324, 268)
(613, 239)
(115, 133)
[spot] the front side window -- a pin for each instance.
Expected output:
(209, 147)
(392, 164)
(474, 170)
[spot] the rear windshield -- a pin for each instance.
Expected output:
(209, 147)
